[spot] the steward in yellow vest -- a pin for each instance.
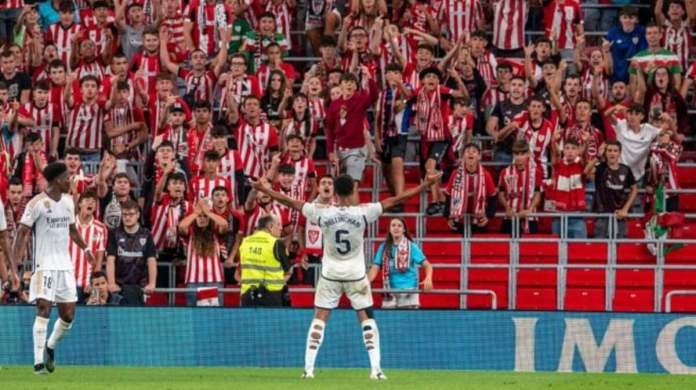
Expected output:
(265, 265)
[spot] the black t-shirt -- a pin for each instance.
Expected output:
(612, 187)
(20, 82)
(131, 252)
(506, 110)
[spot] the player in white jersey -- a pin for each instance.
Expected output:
(343, 264)
(51, 217)
(5, 276)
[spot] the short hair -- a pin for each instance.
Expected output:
(480, 34)
(56, 64)
(327, 41)
(130, 204)
(43, 85)
(97, 275)
(165, 144)
(460, 101)
(430, 70)
(571, 141)
(3, 86)
(72, 151)
(66, 6)
(88, 194)
(122, 175)
(614, 143)
(393, 67)
(251, 97)
(265, 221)
(520, 146)
(202, 104)
(472, 145)
(427, 47)
(542, 39)
(32, 137)
(218, 189)
(122, 85)
(343, 185)
(151, 30)
(15, 181)
(273, 44)
(165, 76)
(349, 77)
(636, 108)
(628, 11)
(53, 170)
(287, 169)
(7, 54)
(176, 176)
(536, 98)
(89, 77)
(292, 137)
(100, 4)
(583, 100)
(519, 77)
(211, 155)
(267, 15)
(219, 131)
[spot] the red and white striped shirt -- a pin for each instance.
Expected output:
(97, 35)
(254, 145)
(12, 4)
(94, 68)
(252, 217)
(62, 37)
(45, 119)
(460, 128)
(304, 170)
(509, 19)
(487, 66)
(200, 86)
(165, 218)
(150, 66)
(317, 106)
(586, 80)
(283, 15)
(85, 126)
(678, 41)
(175, 26)
(491, 98)
(202, 15)
(203, 269)
(94, 235)
(230, 164)
(561, 17)
(121, 115)
(239, 89)
(458, 17)
(202, 187)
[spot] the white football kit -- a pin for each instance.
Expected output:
(53, 276)
(343, 264)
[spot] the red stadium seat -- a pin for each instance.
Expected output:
(587, 253)
(629, 253)
(536, 299)
(584, 299)
(634, 299)
(495, 279)
(539, 252)
(680, 279)
(683, 255)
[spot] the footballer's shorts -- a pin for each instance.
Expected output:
(328, 293)
(53, 286)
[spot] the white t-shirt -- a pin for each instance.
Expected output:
(343, 230)
(50, 222)
(635, 147)
(3, 221)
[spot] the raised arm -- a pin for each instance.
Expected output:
(430, 179)
(263, 186)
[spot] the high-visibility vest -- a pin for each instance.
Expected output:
(259, 263)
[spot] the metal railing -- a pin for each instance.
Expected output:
(236, 290)
(673, 293)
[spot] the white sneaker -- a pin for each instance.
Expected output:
(378, 375)
(308, 375)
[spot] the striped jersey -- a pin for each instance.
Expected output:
(94, 233)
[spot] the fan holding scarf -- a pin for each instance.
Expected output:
(519, 188)
(471, 191)
(397, 258)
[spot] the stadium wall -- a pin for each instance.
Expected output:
(469, 340)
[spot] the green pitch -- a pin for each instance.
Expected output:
(117, 378)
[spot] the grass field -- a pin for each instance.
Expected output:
(117, 378)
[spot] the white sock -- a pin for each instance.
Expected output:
(315, 336)
(39, 333)
(60, 330)
(371, 339)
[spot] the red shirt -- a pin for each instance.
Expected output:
(345, 120)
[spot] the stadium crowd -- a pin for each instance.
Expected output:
(163, 111)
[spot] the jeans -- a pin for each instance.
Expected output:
(601, 228)
(192, 298)
(8, 18)
(597, 19)
(576, 227)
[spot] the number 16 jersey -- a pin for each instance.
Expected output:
(343, 231)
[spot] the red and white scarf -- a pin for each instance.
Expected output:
(519, 186)
(459, 202)
(568, 192)
(402, 260)
(663, 164)
(429, 121)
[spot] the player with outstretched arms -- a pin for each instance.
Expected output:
(343, 265)
(51, 217)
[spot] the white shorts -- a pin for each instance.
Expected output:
(395, 301)
(53, 286)
(329, 293)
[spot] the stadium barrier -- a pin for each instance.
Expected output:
(465, 340)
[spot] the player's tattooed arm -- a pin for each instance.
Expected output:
(264, 186)
(430, 179)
